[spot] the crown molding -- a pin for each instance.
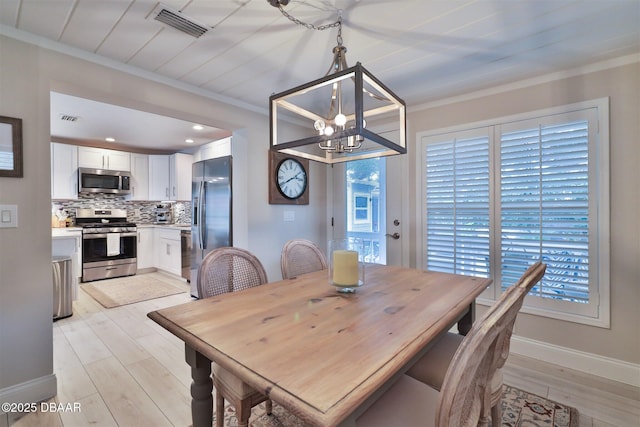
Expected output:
(557, 75)
(94, 58)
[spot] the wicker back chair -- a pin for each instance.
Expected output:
(464, 397)
(432, 368)
(228, 270)
(300, 256)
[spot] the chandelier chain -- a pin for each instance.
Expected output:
(295, 20)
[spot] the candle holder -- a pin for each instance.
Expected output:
(346, 266)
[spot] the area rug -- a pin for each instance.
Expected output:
(519, 409)
(128, 290)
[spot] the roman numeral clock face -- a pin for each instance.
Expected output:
(291, 178)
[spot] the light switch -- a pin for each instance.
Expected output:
(8, 216)
(289, 216)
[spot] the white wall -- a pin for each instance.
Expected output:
(26, 308)
(27, 75)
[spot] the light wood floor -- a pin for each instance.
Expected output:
(124, 370)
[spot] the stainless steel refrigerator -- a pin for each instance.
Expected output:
(210, 211)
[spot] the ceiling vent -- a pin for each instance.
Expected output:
(179, 21)
(68, 118)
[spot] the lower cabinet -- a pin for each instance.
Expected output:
(167, 251)
(145, 248)
(160, 248)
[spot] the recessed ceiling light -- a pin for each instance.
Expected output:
(198, 127)
(189, 141)
(109, 139)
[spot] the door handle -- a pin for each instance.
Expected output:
(394, 236)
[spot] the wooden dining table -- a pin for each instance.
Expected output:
(323, 355)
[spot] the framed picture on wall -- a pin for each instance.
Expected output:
(10, 147)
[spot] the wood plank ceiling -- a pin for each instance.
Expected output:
(424, 50)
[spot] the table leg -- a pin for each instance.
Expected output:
(201, 388)
(465, 323)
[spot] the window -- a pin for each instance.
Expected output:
(499, 197)
(6, 158)
(361, 209)
(457, 209)
(365, 193)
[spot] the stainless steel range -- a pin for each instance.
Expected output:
(109, 244)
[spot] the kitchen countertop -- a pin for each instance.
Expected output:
(166, 226)
(66, 232)
(77, 231)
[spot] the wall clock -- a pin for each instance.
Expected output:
(288, 179)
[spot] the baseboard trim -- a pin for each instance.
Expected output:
(33, 391)
(606, 367)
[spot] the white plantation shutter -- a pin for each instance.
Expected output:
(457, 206)
(546, 209)
(498, 198)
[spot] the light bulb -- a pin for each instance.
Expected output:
(328, 131)
(319, 126)
(340, 119)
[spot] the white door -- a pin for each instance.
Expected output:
(368, 198)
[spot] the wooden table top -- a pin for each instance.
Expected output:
(316, 352)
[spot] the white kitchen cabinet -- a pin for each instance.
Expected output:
(180, 176)
(159, 177)
(139, 176)
(64, 171)
(170, 176)
(167, 250)
(101, 158)
(145, 250)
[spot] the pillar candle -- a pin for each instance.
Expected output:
(345, 267)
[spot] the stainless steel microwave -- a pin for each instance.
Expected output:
(104, 181)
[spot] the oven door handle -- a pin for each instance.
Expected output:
(104, 235)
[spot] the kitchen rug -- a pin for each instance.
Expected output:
(112, 293)
(519, 409)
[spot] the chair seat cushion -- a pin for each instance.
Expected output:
(231, 383)
(407, 403)
(432, 367)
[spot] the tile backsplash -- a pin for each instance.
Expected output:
(138, 211)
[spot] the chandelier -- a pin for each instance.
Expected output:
(346, 115)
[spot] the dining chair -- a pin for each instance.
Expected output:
(223, 270)
(300, 256)
(464, 396)
(432, 367)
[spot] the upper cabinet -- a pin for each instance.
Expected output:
(170, 177)
(100, 158)
(153, 177)
(139, 176)
(158, 177)
(180, 166)
(64, 171)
